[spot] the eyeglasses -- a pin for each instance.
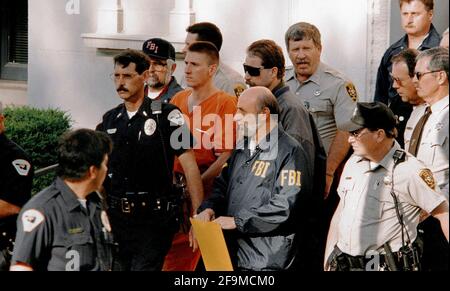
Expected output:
(253, 71)
(157, 66)
(358, 133)
(420, 74)
(127, 77)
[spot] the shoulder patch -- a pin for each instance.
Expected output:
(22, 167)
(31, 219)
(351, 90)
(238, 89)
(176, 117)
(427, 177)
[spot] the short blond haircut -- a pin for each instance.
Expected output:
(429, 4)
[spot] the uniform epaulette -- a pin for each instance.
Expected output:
(113, 111)
(41, 198)
(336, 74)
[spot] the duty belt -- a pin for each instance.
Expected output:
(140, 203)
(343, 262)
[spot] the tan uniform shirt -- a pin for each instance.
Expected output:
(329, 96)
(433, 149)
(368, 218)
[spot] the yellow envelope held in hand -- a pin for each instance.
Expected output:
(212, 245)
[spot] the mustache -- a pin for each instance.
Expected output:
(122, 88)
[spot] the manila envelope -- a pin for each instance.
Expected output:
(212, 245)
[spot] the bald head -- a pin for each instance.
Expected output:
(257, 113)
(258, 98)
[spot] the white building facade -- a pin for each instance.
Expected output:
(72, 42)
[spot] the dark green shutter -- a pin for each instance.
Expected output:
(18, 36)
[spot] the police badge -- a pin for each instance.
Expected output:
(150, 127)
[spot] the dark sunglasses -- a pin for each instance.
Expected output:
(252, 71)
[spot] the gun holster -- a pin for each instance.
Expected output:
(406, 259)
(184, 207)
(7, 237)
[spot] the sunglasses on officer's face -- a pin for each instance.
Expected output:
(253, 71)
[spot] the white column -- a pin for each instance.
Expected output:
(180, 18)
(378, 34)
(110, 17)
(294, 11)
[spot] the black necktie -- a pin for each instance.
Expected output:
(417, 133)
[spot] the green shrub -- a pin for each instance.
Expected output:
(37, 131)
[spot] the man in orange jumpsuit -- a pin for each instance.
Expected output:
(209, 113)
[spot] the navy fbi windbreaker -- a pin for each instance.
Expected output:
(265, 193)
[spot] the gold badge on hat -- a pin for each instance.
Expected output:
(427, 177)
(351, 90)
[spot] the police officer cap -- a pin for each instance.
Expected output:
(373, 115)
(159, 48)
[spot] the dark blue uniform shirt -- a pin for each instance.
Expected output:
(142, 161)
(16, 178)
(16, 173)
(56, 233)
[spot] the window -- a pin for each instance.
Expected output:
(13, 39)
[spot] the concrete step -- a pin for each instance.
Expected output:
(13, 93)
